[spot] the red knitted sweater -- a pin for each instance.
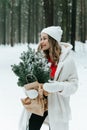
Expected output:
(53, 68)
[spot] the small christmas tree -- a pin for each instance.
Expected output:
(33, 66)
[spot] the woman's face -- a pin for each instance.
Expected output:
(44, 42)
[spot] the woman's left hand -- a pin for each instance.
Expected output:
(45, 93)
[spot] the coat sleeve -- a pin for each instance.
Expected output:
(68, 83)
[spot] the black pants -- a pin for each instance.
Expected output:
(35, 121)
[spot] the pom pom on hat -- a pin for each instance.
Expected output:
(54, 31)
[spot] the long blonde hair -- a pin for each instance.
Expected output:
(54, 51)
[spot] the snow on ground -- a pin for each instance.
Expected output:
(10, 93)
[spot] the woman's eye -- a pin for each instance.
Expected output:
(45, 38)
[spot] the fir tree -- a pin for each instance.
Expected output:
(33, 66)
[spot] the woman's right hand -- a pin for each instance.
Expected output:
(41, 90)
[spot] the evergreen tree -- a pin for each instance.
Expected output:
(33, 66)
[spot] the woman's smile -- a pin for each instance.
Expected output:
(43, 45)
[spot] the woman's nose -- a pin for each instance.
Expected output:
(41, 41)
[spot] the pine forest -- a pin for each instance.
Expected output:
(22, 20)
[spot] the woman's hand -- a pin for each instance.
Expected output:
(45, 93)
(41, 90)
(53, 87)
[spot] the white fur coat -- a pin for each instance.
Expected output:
(64, 85)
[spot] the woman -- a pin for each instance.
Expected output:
(64, 81)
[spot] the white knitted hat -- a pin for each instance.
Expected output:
(54, 31)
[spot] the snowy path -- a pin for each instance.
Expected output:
(10, 93)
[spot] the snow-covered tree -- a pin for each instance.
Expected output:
(33, 66)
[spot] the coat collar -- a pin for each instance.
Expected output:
(66, 47)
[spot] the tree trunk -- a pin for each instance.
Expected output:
(73, 23)
(19, 23)
(48, 10)
(29, 14)
(83, 20)
(12, 24)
